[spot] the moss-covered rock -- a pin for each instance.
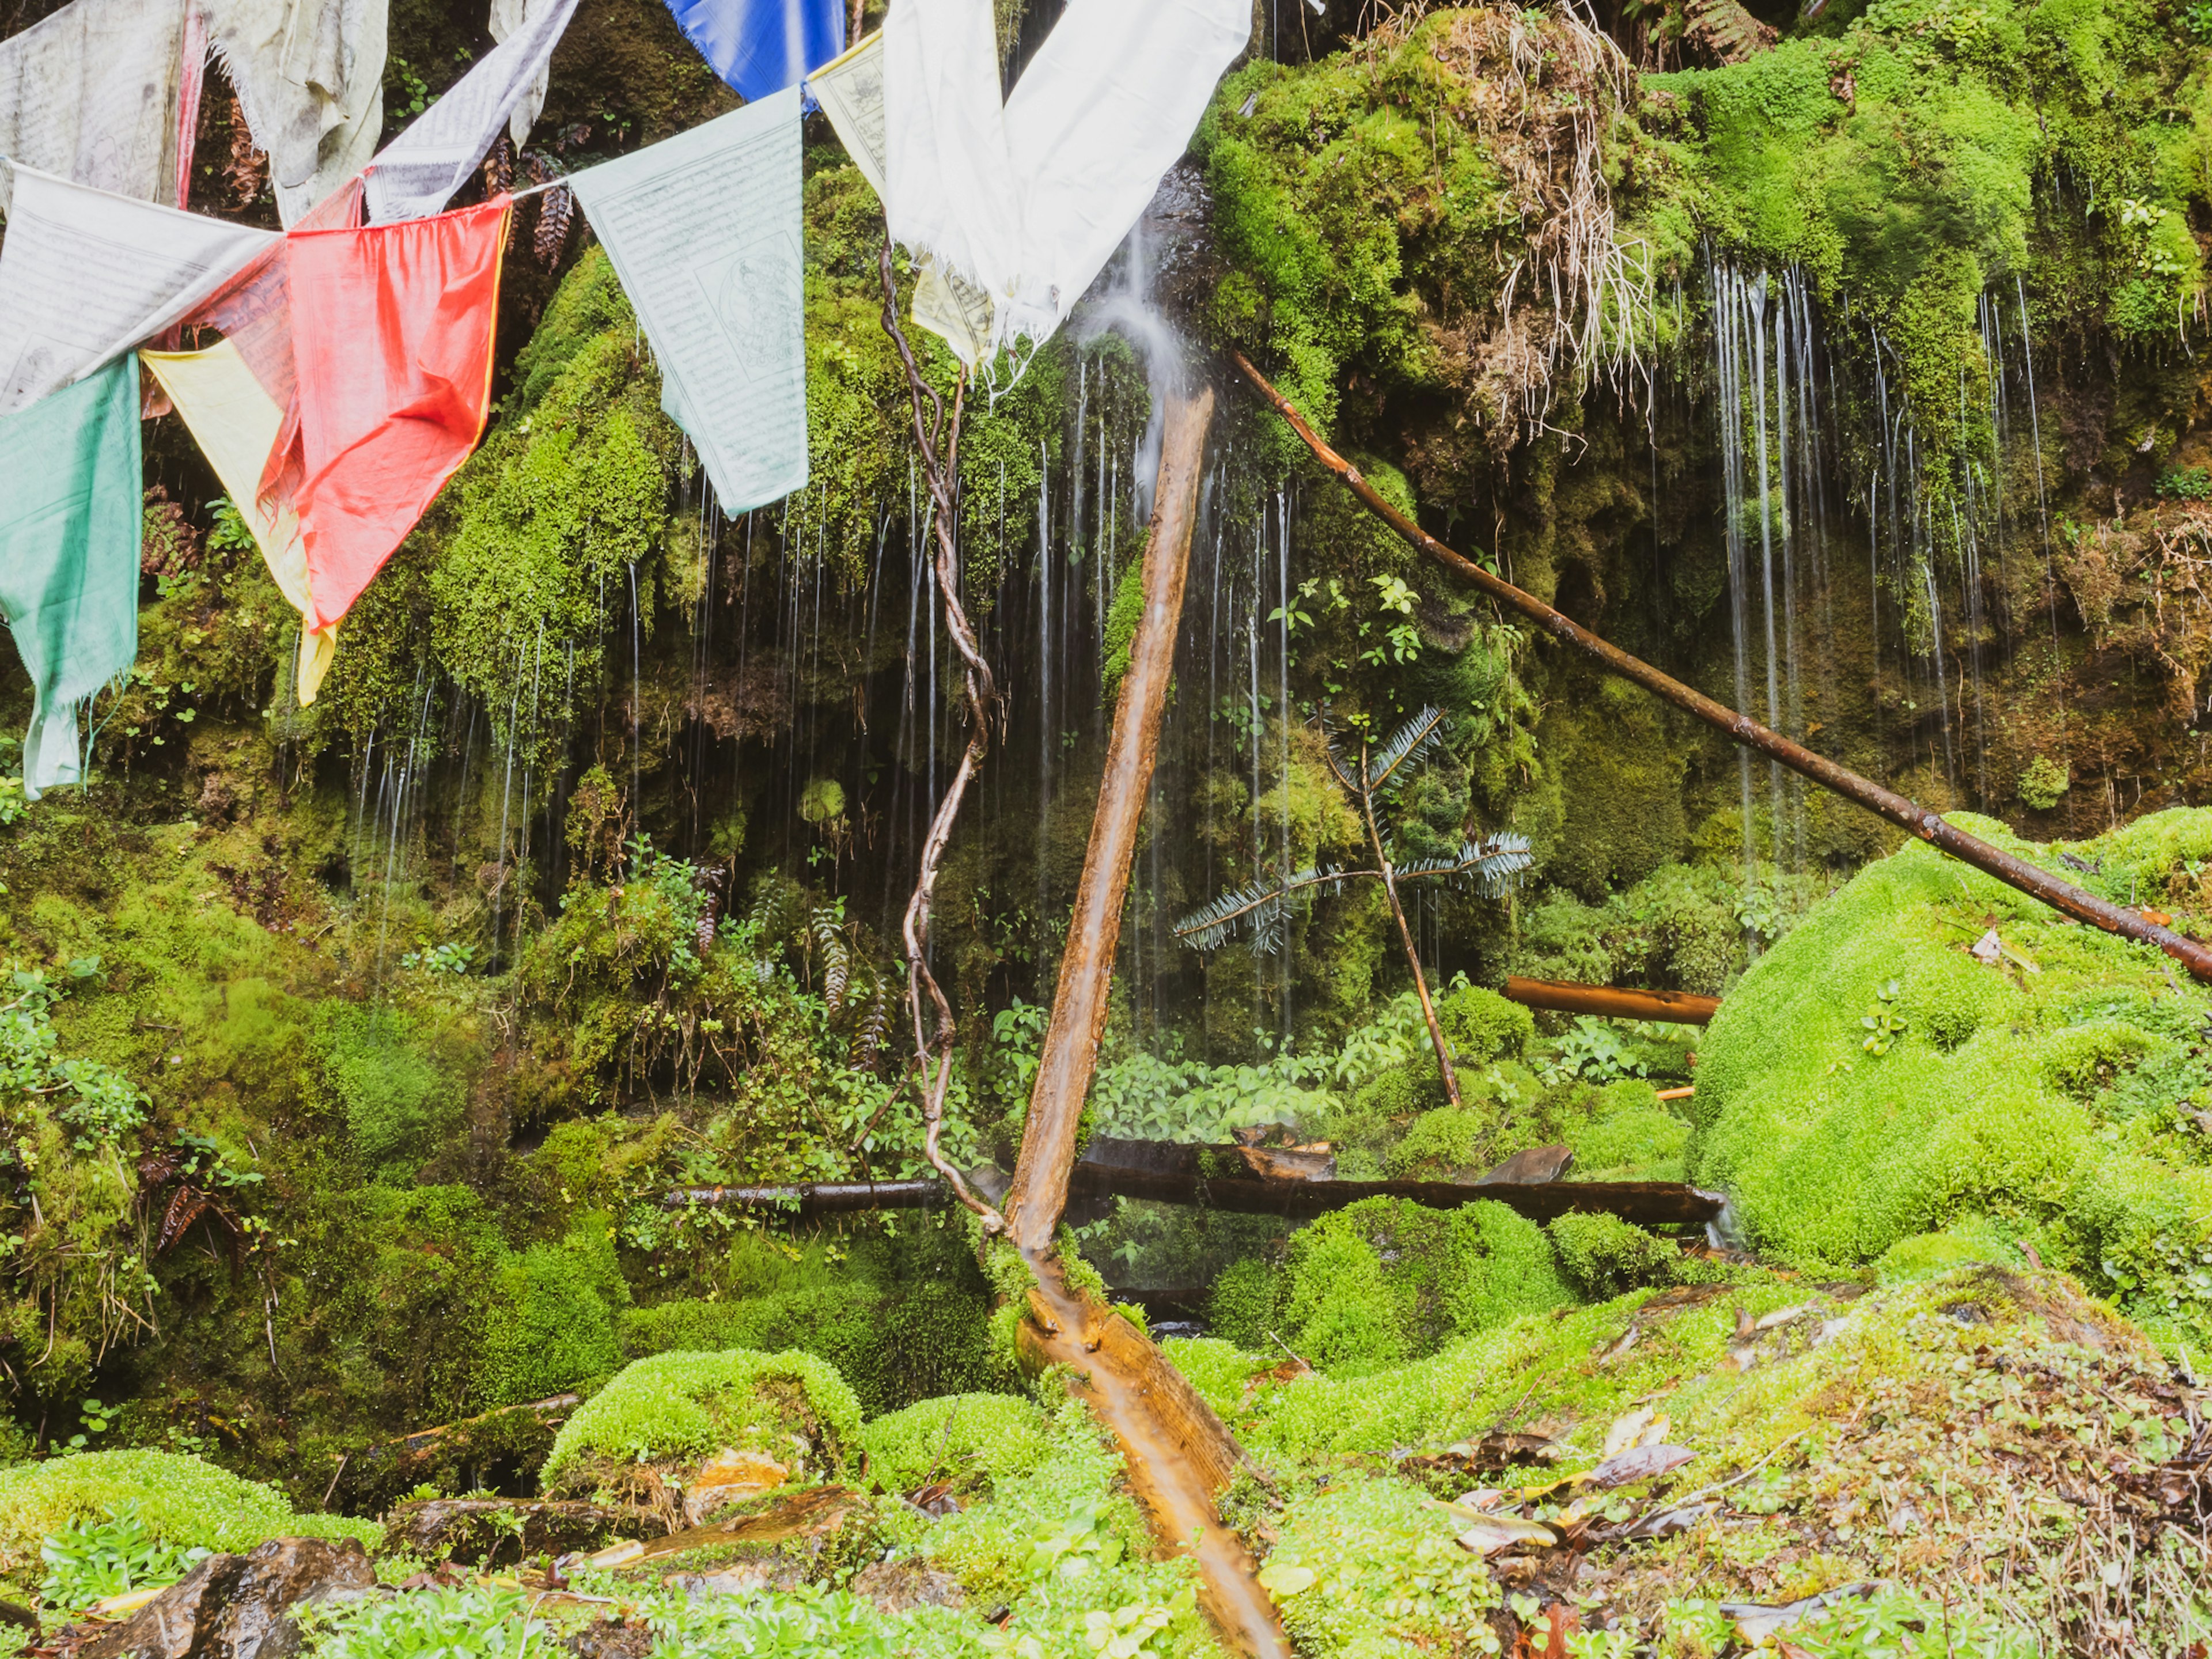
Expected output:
(1871, 1081)
(677, 1408)
(182, 1502)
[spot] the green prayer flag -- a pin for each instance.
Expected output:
(69, 494)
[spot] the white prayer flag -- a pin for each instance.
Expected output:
(85, 276)
(703, 229)
(507, 16)
(309, 77)
(91, 94)
(1017, 207)
(412, 177)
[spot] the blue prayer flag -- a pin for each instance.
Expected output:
(762, 46)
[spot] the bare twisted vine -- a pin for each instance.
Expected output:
(937, 438)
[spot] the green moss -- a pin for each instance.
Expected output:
(680, 1407)
(1604, 1256)
(182, 1501)
(1481, 1026)
(1382, 1578)
(903, 1319)
(976, 1441)
(2041, 1101)
(1240, 1307)
(1219, 1370)
(551, 1324)
(1636, 1143)
(1385, 1280)
(400, 1102)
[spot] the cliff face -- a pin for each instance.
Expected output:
(1852, 380)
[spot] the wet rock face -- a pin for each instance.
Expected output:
(240, 1607)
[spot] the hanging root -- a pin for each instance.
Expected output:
(939, 467)
(1540, 89)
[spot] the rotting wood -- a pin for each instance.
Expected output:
(421, 1438)
(1884, 803)
(1647, 1203)
(1613, 1001)
(1179, 1455)
(1070, 1054)
(1211, 1177)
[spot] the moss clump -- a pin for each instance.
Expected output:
(2056, 1104)
(974, 1441)
(1604, 1256)
(1481, 1026)
(677, 1407)
(1386, 1280)
(182, 1501)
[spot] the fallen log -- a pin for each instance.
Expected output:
(1232, 1178)
(1615, 1002)
(1179, 1455)
(2062, 897)
(1646, 1203)
(1070, 1054)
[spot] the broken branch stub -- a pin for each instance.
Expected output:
(2062, 897)
(1070, 1055)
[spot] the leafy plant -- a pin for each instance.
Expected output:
(430, 958)
(1126, 1632)
(467, 1621)
(1593, 1050)
(1375, 776)
(92, 1560)
(1074, 1548)
(1884, 1025)
(94, 1102)
(2188, 484)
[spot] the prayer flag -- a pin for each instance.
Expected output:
(850, 89)
(69, 515)
(507, 17)
(762, 46)
(1014, 209)
(85, 276)
(94, 94)
(309, 77)
(703, 229)
(417, 172)
(392, 345)
(236, 424)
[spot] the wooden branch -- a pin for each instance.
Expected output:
(1070, 1054)
(1616, 1002)
(2062, 897)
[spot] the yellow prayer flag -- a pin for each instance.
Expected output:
(235, 423)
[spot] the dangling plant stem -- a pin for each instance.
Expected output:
(1362, 790)
(937, 438)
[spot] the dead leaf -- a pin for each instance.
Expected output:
(1643, 1463)
(1781, 1316)
(1495, 1534)
(1668, 1523)
(1757, 1625)
(1626, 1431)
(1988, 948)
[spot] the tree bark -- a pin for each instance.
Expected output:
(1614, 1002)
(1039, 1192)
(2060, 895)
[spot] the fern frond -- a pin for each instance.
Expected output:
(837, 960)
(1263, 906)
(1493, 864)
(1406, 747)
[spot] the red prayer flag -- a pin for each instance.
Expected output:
(392, 345)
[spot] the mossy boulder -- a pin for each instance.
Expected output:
(1604, 1256)
(672, 1410)
(1872, 1079)
(1386, 1280)
(183, 1501)
(1481, 1026)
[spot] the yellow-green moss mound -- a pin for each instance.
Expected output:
(1873, 1079)
(971, 1440)
(182, 1502)
(679, 1407)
